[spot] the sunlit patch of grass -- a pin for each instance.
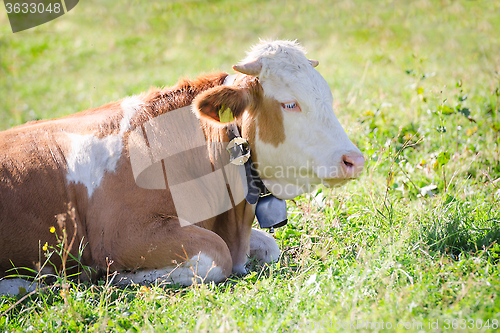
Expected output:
(416, 86)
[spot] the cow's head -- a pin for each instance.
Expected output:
(284, 108)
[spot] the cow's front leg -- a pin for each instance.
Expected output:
(165, 251)
(235, 227)
(263, 247)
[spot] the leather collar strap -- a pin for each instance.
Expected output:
(270, 211)
(256, 187)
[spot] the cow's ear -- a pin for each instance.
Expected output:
(221, 104)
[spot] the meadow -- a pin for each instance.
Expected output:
(412, 245)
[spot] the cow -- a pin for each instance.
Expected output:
(79, 170)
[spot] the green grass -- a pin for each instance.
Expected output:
(388, 247)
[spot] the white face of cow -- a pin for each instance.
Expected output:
(298, 141)
(315, 149)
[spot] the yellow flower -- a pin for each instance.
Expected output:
(143, 291)
(52, 230)
(45, 246)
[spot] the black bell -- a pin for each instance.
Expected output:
(271, 212)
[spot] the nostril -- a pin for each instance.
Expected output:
(353, 161)
(347, 163)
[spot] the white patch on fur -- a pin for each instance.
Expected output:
(200, 267)
(229, 80)
(240, 270)
(263, 246)
(16, 286)
(314, 139)
(91, 157)
(130, 106)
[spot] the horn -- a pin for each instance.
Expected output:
(314, 63)
(250, 68)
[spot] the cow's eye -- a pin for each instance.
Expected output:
(291, 106)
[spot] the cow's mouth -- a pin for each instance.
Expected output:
(334, 182)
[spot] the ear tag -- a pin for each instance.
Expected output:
(225, 115)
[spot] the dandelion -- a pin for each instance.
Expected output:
(45, 246)
(143, 291)
(52, 230)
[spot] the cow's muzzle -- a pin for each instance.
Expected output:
(352, 164)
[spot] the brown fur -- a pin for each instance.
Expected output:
(211, 101)
(245, 95)
(274, 135)
(124, 225)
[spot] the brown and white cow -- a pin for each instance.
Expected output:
(281, 105)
